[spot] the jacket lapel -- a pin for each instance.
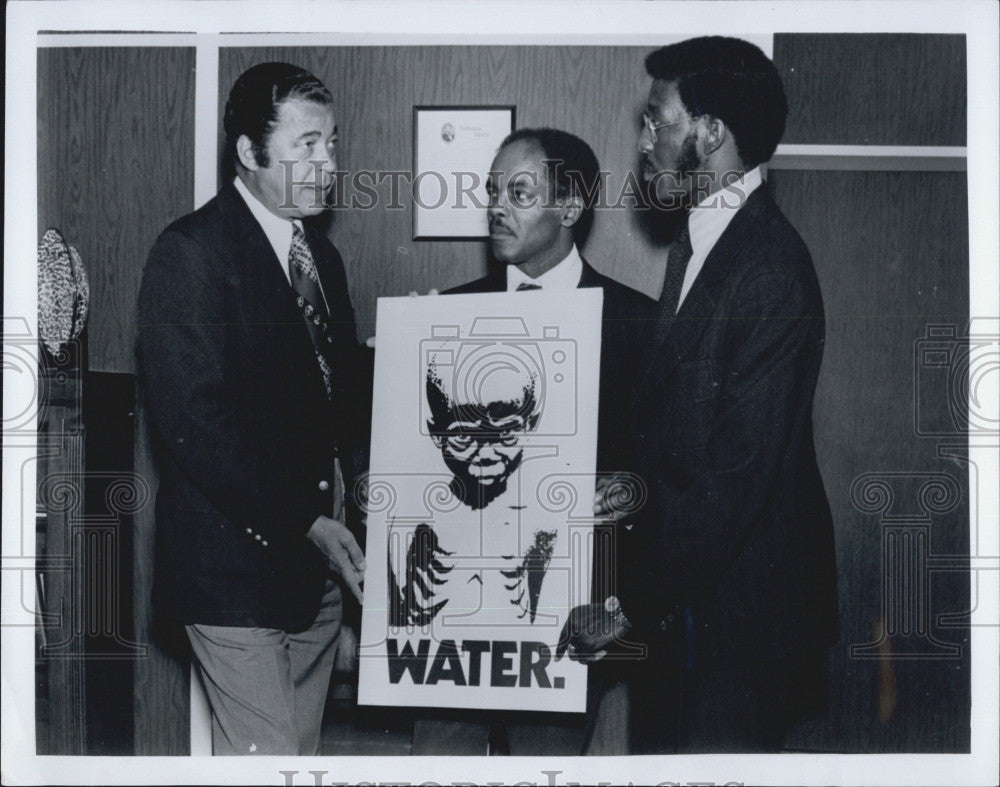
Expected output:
(495, 279)
(267, 299)
(589, 277)
(260, 269)
(674, 338)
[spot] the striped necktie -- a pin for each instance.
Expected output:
(305, 281)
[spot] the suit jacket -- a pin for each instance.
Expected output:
(732, 560)
(627, 318)
(244, 433)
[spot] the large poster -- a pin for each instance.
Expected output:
(484, 437)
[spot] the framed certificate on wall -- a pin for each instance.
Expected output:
(453, 147)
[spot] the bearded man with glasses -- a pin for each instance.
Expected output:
(728, 575)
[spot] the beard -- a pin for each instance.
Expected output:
(666, 214)
(675, 187)
(688, 160)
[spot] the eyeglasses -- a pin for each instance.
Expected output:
(652, 127)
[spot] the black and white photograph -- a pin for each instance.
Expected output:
(513, 393)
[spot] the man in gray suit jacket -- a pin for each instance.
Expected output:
(728, 574)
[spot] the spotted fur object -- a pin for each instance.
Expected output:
(63, 292)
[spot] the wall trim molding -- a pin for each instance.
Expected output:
(206, 119)
(79, 40)
(894, 158)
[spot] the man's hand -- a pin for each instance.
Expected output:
(588, 631)
(345, 661)
(341, 550)
(616, 495)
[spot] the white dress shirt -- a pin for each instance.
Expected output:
(563, 276)
(709, 219)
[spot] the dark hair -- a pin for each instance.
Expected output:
(572, 168)
(444, 410)
(256, 98)
(732, 80)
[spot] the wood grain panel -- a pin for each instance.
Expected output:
(115, 166)
(873, 89)
(594, 92)
(892, 257)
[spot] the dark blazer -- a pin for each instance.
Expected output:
(244, 433)
(627, 318)
(732, 559)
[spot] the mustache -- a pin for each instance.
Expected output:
(498, 224)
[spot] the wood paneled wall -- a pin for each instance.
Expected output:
(596, 93)
(115, 166)
(871, 89)
(891, 251)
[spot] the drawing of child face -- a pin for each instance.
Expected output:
(480, 441)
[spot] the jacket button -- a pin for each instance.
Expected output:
(324, 485)
(670, 618)
(663, 625)
(263, 543)
(257, 536)
(249, 531)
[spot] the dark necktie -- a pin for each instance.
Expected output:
(305, 281)
(526, 286)
(677, 262)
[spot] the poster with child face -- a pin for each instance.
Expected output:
(480, 522)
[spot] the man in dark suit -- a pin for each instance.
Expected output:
(251, 371)
(728, 574)
(542, 188)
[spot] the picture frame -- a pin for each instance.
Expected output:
(453, 147)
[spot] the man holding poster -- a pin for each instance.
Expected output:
(731, 578)
(543, 184)
(497, 553)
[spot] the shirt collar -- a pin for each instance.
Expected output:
(277, 229)
(710, 217)
(563, 276)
